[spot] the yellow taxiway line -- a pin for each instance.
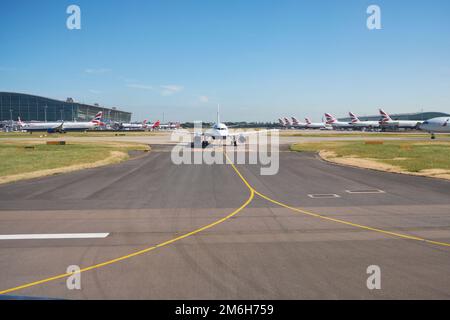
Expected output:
(316, 215)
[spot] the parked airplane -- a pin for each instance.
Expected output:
(133, 126)
(386, 121)
(337, 125)
(298, 124)
(316, 125)
(282, 123)
(53, 127)
(50, 127)
(288, 122)
(154, 126)
(441, 124)
(170, 126)
(83, 126)
(363, 124)
(219, 131)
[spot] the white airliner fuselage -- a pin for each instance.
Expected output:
(335, 124)
(41, 126)
(366, 124)
(61, 126)
(386, 121)
(298, 124)
(316, 125)
(220, 131)
(441, 124)
(363, 124)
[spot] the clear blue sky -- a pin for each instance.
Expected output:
(258, 59)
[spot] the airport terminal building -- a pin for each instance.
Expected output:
(35, 108)
(419, 116)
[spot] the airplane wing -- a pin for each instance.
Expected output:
(248, 133)
(243, 134)
(57, 128)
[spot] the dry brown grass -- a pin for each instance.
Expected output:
(373, 164)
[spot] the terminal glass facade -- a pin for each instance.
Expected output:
(35, 108)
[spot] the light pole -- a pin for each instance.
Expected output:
(10, 118)
(62, 117)
(45, 113)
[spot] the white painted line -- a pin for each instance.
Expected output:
(324, 196)
(365, 191)
(53, 236)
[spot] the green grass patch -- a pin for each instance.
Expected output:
(19, 158)
(410, 156)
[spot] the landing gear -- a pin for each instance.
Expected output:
(433, 136)
(234, 142)
(199, 141)
(204, 144)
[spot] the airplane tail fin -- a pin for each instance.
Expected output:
(19, 121)
(384, 115)
(98, 119)
(156, 124)
(307, 121)
(295, 121)
(218, 113)
(353, 117)
(330, 118)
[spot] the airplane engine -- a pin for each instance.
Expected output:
(242, 139)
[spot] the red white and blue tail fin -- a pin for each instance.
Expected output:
(385, 116)
(98, 119)
(354, 118)
(330, 118)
